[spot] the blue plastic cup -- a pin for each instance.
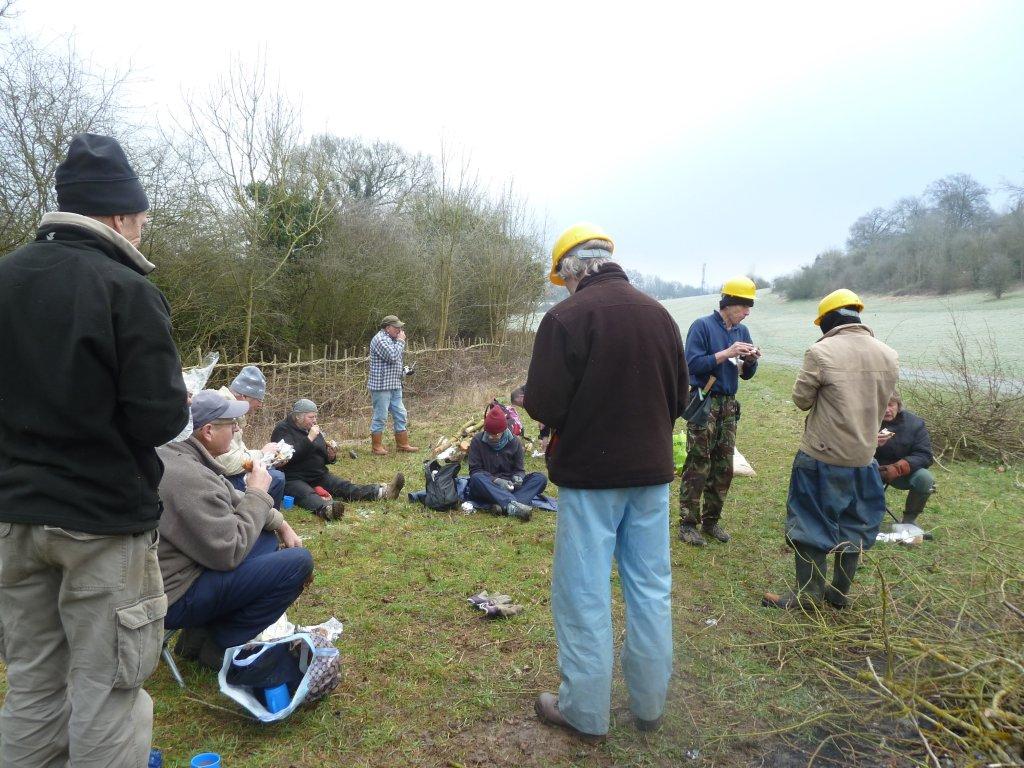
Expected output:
(206, 760)
(277, 698)
(288, 502)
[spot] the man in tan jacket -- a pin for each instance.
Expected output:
(225, 577)
(836, 499)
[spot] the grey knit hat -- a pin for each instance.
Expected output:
(250, 382)
(304, 406)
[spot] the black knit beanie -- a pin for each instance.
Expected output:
(837, 317)
(96, 179)
(733, 301)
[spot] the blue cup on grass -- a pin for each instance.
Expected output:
(277, 698)
(206, 760)
(288, 502)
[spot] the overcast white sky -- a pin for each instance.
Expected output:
(745, 135)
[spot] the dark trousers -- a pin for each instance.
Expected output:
(237, 605)
(483, 489)
(307, 498)
(276, 489)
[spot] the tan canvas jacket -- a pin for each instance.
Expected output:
(845, 383)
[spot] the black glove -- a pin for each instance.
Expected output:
(503, 483)
(517, 481)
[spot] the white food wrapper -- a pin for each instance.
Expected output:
(195, 380)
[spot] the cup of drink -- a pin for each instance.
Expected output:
(288, 502)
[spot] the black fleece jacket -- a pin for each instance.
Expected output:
(609, 377)
(90, 384)
(311, 458)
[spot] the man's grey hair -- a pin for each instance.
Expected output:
(585, 259)
(295, 417)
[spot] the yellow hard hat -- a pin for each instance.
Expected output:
(741, 286)
(844, 297)
(573, 236)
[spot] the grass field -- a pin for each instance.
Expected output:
(427, 682)
(918, 327)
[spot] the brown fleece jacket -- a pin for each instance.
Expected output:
(206, 522)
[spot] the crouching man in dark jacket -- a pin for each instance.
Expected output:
(497, 474)
(226, 579)
(904, 455)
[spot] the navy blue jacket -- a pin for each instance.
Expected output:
(706, 337)
(910, 441)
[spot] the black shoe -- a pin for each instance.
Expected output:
(716, 532)
(689, 534)
(190, 642)
(211, 655)
(648, 726)
(517, 509)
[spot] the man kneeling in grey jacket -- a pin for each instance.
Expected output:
(225, 577)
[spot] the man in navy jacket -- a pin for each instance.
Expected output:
(719, 345)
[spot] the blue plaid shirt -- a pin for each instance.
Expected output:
(386, 368)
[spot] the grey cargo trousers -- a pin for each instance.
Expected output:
(81, 626)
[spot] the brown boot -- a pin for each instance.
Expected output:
(402, 443)
(546, 708)
(377, 444)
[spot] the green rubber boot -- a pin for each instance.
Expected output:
(811, 566)
(837, 594)
(914, 506)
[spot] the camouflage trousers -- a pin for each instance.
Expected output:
(707, 472)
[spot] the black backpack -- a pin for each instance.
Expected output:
(439, 480)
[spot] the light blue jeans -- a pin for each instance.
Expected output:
(630, 524)
(385, 400)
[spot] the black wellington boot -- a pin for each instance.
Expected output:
(811, 565)
(837, 593)
(914, 506)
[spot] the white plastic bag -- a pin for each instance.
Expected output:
(740, 466)
(195, 380)
(310, 657)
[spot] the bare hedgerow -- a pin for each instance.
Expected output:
(973, 402)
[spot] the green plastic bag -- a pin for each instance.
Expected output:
(679, 450)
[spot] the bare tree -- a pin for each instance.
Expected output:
(960, 200)
(244, 151)
(45, 99)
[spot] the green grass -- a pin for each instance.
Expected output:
(918, 327)
(428, 682)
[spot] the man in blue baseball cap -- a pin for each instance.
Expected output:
(225, 576)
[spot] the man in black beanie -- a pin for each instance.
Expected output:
(91, 384)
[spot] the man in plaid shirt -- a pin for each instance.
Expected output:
(386, 372)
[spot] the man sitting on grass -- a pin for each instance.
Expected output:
(496, 469)
(225, 577)
(306, 476)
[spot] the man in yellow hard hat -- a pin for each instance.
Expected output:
(836, 499)
(608, 376)
(717, 345)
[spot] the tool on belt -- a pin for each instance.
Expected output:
(699, 407)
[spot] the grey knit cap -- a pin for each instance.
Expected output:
(250, 382)
(304, 406)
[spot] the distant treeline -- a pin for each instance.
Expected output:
(266, 238)
(948, 239)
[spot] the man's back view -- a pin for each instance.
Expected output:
(91, 384)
